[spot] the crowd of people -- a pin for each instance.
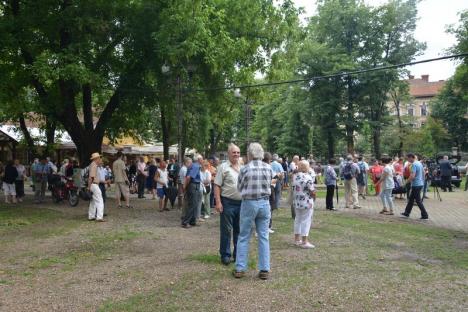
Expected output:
(244, 194)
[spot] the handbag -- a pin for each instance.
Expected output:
(86, 194)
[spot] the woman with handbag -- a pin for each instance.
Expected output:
(205, 176)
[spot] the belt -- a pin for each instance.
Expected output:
(261, 198)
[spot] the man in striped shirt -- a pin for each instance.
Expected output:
(254, 185)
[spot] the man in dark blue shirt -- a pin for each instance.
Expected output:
(194, 195)
(445, 174)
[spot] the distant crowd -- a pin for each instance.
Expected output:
(244, 193)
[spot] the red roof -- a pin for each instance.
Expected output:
(424, 88)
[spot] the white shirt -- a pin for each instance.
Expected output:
(388, 182)
(102, 172)
(162, 178)
(205, 177)
(182, 174)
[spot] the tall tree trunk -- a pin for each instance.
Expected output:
(376, 142)
(51, 126)
(32, 150)
(213, 142)
(165, 131)
(400, 128)
(350, 120)
(330, 143)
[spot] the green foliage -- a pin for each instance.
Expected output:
(451, 107)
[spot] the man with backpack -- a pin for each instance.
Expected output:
(350, 172)
(361, 178)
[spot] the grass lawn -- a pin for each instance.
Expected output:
(141, 260)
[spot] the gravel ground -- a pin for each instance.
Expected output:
(141, 260)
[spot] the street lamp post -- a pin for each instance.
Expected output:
(166, 69)
(248, 116)
(189, 69)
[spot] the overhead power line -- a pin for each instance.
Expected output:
(341, 74)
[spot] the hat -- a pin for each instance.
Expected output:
(94, 156)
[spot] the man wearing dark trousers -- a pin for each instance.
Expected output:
(417, 183)
(330, 182)
(194, 195)
(445, 174)
(141, 177)
(228, 203)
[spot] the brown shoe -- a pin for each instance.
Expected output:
(100, 220)
(238, 274)
(385, 211)
(263, 275)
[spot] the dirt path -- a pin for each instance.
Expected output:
(142, 260)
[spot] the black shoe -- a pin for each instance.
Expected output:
(404, 215)
(333, 209)
(425, 218)
(263, 275)
(226, 261)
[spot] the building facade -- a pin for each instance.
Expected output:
(422, 91)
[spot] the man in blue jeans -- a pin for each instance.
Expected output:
(228, 203)
(417, 183)
(254, 185)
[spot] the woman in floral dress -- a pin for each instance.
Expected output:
(303, 202)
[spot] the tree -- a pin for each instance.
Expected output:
(399, 94)
(95, 67)
(451, 105)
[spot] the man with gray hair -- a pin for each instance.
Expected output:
(228, 203)
(350, 172)
(254, 185)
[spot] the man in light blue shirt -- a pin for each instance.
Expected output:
(279, 174)
(417, 183)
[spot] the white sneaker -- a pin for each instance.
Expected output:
(270, 231)
(206, 217)
(298, 243)
(307, 246)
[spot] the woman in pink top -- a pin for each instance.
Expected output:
(398, 166)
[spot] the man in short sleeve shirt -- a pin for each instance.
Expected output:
(228, 203)
(417, 183)
(194, 195)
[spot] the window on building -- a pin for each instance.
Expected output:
(411, 110)
(424, 109)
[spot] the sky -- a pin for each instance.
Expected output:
(434, 16)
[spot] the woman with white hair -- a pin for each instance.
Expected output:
(303, 202)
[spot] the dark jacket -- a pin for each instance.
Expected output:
(445, 168)
(10, 174)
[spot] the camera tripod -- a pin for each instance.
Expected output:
(436, 193)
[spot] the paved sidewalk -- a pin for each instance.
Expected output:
(451, 212)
